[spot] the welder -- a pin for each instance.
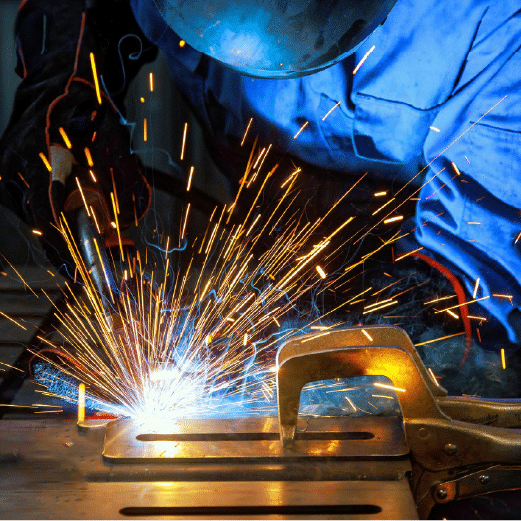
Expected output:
(396, 88)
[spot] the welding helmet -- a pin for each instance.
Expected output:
(275, 38)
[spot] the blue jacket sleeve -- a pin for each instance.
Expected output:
(469, 213)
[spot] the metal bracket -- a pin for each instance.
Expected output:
(346, 353)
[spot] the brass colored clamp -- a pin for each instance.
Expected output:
(454, 453)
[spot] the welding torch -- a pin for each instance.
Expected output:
(95, 256)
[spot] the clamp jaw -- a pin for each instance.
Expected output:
(459, 447)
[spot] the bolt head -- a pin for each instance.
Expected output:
(441, 493)
(484, 479)
(450, 449)
(423, 432)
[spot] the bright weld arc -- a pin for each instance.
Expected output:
(95, 76)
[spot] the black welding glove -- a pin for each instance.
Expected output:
(58, 122)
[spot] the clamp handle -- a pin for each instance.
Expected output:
(347, 353)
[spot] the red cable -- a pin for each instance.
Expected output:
(462, 299)
(55, 102)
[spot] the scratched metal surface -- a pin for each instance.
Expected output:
(48, 469)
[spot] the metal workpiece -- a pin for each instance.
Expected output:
(255, 440)
(51, 469)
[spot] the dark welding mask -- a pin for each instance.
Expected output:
(275, 38)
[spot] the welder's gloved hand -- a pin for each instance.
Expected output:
(62, 127)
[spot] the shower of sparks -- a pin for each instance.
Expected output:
(503, 361)
(177, 341)
(170, 342)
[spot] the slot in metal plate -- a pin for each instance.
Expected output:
(255, 439)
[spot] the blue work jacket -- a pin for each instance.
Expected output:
(440, 91)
